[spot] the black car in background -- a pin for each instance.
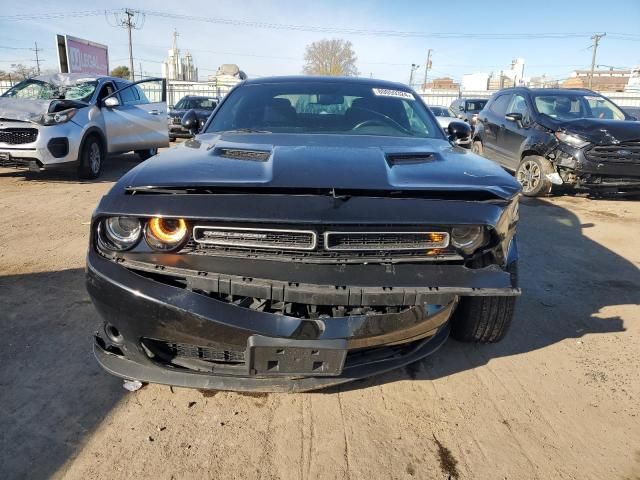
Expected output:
(568, 137)
(467, 109)
(202, 107)
(317, 231)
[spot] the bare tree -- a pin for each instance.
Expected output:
(22, 72)
(333, 57)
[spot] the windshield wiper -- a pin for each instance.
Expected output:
(246, 130)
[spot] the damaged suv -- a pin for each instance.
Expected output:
(567, 137)
(317, 231)
(65, 120)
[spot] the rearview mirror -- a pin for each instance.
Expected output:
(191, 122)
(460, 134)
(111, 102)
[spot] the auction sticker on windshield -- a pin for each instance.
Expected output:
(385, 92)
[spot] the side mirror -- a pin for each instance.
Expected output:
(460, 134)
(514, 117)
(461, 108)
(191, 122)
(111, 102)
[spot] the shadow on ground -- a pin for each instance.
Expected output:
(52, 392)
(567, 281)
(114, 167)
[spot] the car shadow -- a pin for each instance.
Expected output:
(567, 282)
(53, 394)
(113, 168)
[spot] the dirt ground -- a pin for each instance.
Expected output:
(558, 398)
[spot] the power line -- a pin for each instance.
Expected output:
(56, 15)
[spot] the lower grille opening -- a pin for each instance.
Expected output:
(194, 357)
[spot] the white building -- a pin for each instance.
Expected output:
(177, 67)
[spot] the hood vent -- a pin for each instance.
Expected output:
(242, 154)
(409, 158)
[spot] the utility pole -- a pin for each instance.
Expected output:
(426, 68)
(37, 57)
(596, 39)
(132, 20)
(140, 74)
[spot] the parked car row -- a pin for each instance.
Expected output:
(201, 106)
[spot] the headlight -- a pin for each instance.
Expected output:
(58, 117)
(120, 233)
(166, 234)
(468, 238)
(570, 139)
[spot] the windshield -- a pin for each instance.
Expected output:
(202, 103)
(476, 105)
(440, 111)
(38, 90)
(569, 106)
(322, 107)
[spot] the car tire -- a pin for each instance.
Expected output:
(172, 139)
(147, 154)
(532, 176)
(477, 147)
(484, 319)
(91, 158)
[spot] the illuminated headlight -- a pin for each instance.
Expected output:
(120, 233)
(166, 234)
(58, 117)
(570, 139)
(474, 118)
(468, 238)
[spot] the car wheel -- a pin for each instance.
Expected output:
(91, 158)
(477, 147)
(146, 154)
(532, 175)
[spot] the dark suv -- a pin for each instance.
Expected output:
(560, 136)
(467, 109)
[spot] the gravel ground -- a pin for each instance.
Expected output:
(558, 398)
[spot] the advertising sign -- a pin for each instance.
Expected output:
(76, 55)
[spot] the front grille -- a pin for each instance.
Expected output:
(385, 241)
(18, 136)
(625, 153)
(255, 237)
(219, 354)
(176, 121)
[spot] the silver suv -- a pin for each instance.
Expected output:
(65, 119)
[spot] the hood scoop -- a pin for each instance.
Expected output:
(409, 158)
(242, 154)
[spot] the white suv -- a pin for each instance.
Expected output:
(65, 119)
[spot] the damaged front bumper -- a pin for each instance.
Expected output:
(167, 325)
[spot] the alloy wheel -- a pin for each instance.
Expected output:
(529, 176)
(95, 157)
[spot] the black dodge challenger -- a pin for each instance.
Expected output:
(316, 231)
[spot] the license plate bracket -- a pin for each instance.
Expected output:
(286, 357)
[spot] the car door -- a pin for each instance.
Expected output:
(492, 118)
(514, 133)
(137, 123)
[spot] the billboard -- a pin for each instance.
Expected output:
(76, 55)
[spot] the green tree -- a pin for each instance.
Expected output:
(333, 57)
(122, 72)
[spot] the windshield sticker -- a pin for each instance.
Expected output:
(385, 92)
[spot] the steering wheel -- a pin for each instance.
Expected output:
(384, 120)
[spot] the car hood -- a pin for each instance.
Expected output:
(33, 110)
(598, 131)
(305, 162)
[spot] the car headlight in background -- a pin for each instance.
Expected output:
(571, 139)
(166, 234)
(468, 238)
(120, 233)
(58, 117)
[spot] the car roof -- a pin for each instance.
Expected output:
(327, 79)
(552, 91)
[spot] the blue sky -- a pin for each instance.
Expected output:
(262, 51)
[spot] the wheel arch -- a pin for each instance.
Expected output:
(93, 131)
